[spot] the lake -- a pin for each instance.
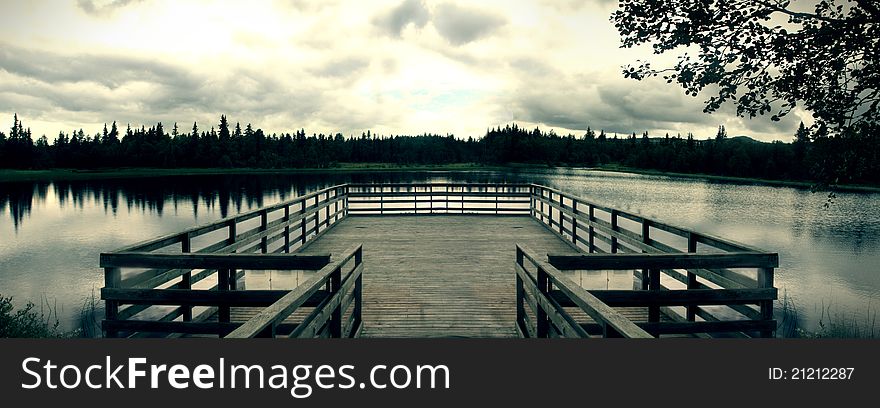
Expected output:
(52, 232)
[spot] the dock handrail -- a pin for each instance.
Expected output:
(550, 318)
(657, 297)
(598, 228)
(438, 199)
(343, 291)
(218, 299)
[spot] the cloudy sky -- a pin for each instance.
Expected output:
(395, 67)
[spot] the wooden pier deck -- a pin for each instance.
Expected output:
(439, 276)
(438, 260)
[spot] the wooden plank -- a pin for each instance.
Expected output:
(695, 327)
(665, 261)
(705, 297)
(430, 292)
(177, 297)
(214, 261)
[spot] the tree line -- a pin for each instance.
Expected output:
(813, 154)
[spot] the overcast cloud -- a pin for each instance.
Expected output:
(394, 67)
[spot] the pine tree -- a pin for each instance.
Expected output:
(224, 129)
(802, 135)
(114, 134)
(722, 133)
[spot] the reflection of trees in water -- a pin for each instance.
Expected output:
(18, 199)
(227, 194)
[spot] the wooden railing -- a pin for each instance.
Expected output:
(546, 317)
(438, 198)
(598, 229)
(146, 266)
(338, 290)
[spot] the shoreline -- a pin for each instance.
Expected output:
(9, 175)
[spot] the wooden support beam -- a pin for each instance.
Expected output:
(665, 261)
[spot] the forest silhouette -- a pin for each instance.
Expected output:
(813, 155)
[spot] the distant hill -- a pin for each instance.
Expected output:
(744, 139)
(735, 139)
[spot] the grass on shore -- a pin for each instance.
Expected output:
(28, 322)
(832, 324)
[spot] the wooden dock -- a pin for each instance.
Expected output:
(437, 260)
(449, 276)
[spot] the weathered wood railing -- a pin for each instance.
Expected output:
(546, 317)
(338, 290)
(655, 296)
(279, 228)
(594, 228)
(438, 198)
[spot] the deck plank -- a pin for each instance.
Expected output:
(448, 276)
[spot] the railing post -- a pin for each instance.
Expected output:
(287, 229)
(186, 278)
(223, 286)
(231, 225)
(264, 222)
(592, 231)
(446, 199)
(327, 211)
(520, 296)
(614, 228)
(646, 239)
(654, 311)
(112, 279)
(317, 214)
(345, 191)
(358, 292)
(561, 216)
(302, 222)
(691, 277)
(765, 280)
(542, 319)
(532, 201)
(335, 207)
(462, 197)
(335, 323)
(542, 204)
(574, 225)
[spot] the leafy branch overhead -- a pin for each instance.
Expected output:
(765, 56)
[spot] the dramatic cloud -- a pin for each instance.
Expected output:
(409, 12)
(391, 66)
(462, 25)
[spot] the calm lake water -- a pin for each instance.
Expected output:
(52, 232)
